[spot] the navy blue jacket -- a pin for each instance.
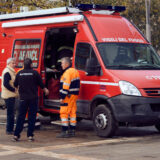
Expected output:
(28, 80)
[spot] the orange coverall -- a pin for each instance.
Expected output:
(69, 90)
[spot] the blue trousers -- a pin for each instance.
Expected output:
(30, 106)
(10, 104)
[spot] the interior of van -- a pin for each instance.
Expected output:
(59, 44)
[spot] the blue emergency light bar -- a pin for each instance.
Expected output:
(86, 7)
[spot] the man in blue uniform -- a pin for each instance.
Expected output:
(27, 81)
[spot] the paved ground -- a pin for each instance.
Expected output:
(128, 143)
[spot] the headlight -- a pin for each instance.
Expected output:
(128, 88)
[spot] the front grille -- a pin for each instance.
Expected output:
(152, 92)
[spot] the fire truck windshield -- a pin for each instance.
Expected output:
(129, 56)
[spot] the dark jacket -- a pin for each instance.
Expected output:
(6, 83)
(28, 80)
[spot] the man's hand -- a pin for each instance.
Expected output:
(46, 91)
(55, 70)
(51, 70)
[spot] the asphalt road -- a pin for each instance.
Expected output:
(128, 143)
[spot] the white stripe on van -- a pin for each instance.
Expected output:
(0, 77)
(100, 83)
(52, 20)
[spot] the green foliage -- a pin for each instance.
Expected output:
(12, 6)
(135, 11)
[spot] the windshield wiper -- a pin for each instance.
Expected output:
(136, 67)
(148, 66)
(121, 66)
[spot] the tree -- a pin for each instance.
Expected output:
(12, 6)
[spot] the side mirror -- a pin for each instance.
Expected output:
(92, 67)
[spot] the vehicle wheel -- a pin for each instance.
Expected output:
(54, 117)
(157, 126)
(3, 107)
(79, 119)
(104, 123)
(44, 113)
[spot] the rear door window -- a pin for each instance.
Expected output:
(27, 49)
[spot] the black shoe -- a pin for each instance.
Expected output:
(15, 139)
(63, 134)
(30, 139)
(72, 133)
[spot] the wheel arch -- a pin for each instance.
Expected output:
(100, 99)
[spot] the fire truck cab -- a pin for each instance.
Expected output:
(119, 69)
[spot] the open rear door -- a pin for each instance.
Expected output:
(29, 44)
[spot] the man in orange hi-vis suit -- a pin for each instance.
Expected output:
(69, 90)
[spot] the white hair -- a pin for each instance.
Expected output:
(67, 60)
(9, 60)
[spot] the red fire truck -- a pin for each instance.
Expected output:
(118, 67)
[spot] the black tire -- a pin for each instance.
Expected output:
(45, 114)
(157, 126)
(104, 122)
(79, 119)
(3, 107)
(54, 117)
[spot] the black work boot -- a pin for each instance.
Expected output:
(63, 134)
(72, 133)
(15, 138)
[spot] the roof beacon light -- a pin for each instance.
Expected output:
(86, 7)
